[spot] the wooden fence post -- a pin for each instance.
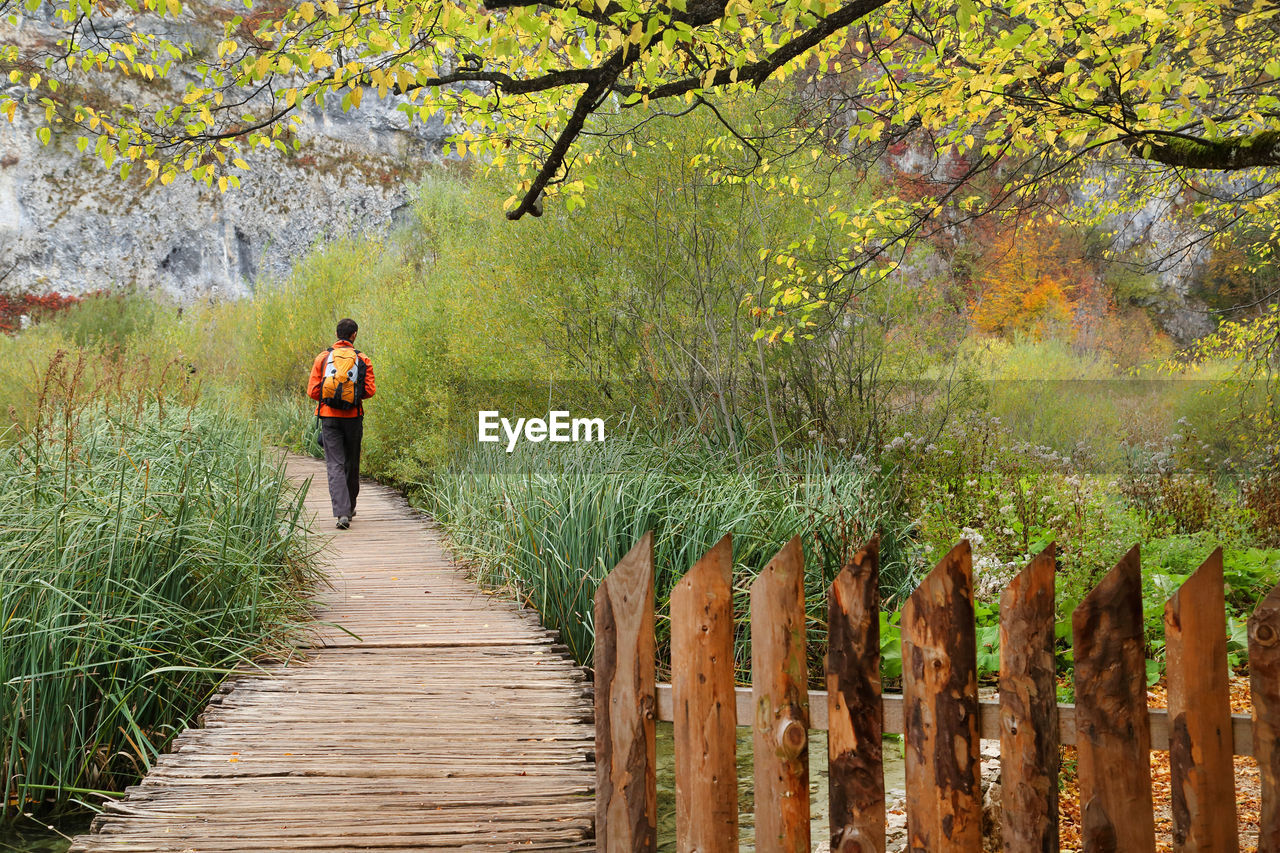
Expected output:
(940, 706)
(1200, 741)
(780, 690)
(1264, 682)
(626, 752)
(1113, 739)
(855, 717)
(705, 705)
(1029, 710)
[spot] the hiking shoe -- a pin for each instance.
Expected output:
(344, 521)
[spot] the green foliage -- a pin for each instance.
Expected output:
(891, 645)
(1250, 573)
(987, 616)
(145, 553)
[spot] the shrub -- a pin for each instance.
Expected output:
(1260, 494)
(20, 309)
(1167, 484)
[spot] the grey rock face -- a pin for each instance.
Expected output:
(69, 225)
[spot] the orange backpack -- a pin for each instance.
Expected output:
(343, 383)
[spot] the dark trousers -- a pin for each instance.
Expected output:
(340, 438)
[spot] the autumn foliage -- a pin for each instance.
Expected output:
(1030, 284)
(14, 306)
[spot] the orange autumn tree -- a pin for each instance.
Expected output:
(1028, 285)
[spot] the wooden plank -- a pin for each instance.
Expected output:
(855, 712)
(1113, 742)
(703, 692)
(780, 687)
(626, 749)
(1029, 710)
(940, 703)
(1264, 682)
(988, 718)
(1200, 765)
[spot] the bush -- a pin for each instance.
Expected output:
(1260, 494)
(110, 320)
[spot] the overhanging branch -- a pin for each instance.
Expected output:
(758, 72)
(1231, 154)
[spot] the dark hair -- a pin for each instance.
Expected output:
(347, 328)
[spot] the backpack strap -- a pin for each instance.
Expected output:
(361, 369)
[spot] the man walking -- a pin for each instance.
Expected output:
(341, 379)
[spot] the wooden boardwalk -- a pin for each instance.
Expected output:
(444, 719)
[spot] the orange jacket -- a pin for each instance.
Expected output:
(317, 379)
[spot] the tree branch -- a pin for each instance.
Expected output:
(602, 16)
(757, 73)
(1231, 154)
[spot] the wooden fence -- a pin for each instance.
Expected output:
(938, 712)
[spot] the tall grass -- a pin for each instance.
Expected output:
(549, 523)
(144, 553)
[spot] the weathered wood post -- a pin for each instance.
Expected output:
(626, 752)
(705, 706)
(1113, 738)
(1029, 710)
(1264, 682)
(854, 711)
(1200, 742)
(780, 690)
(940, 706)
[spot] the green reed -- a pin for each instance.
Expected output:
(548, 523)
(145, 551)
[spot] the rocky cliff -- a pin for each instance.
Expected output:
(69, 225)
